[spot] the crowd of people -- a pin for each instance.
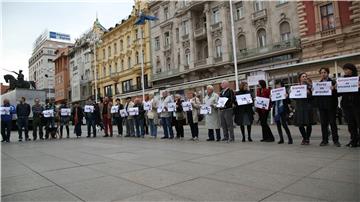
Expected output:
(143, 117)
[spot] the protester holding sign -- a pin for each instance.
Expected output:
(244, 114)
(7, 112)
(192, 116)
(304, 113)
(152, 116)
(350, 104)
(77, 116)
(166, 116)
(116, 116)
(129, 120)
(281, 113)
(139, 118)
(226, 111)
(64, 114)
(91, 115)
(50, 119)
(327, 105)
(23, 112)
(105, 110)
(180, 118)
(264, 92)
(38, 118)
(212, 121)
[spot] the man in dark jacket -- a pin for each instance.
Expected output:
(226, 112)
(37, 110)
(139, 118)
(7, 112)
(117, 118)
(23, 112)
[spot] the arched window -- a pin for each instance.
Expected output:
(121, 45)
(218, 48)
(129, 62)
(122, 64)
(187, 57)
(110, 70)
(104, 71)
(242, 42)
(285, 31)
(261, 35)
(116, 67)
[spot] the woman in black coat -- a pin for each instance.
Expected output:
(77, 117)
(244, 114)
(350, 105)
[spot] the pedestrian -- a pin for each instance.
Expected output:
(304, 112)
(244, 114)
(212, 121)
(264, 92)
(166, 116)
(139, 118)
(50, 120)
(180, 119)
(7, 111)
(105, 110)
(327, 106)
(22, 113)
(37, 110)
(129, 119)
(64, 119)
(350, 105)
(281, 112)
(193, 115)
(91, 116)
(152, 115)
(77, 116)
(117, 118)
(226, 112)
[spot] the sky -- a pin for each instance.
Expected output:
(21, 22)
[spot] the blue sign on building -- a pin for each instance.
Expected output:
(56, 35)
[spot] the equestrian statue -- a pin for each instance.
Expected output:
(19, 82)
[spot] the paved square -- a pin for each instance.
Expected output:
(136, 169)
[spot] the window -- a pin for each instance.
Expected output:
(242, 42)
(167, 39)
(261, 38)
(115, 48)
(137, 57)
(281, 2)
(109, 51)
(285, 31)
(129, 62)
(104, 53)
(104, 71)
(239, 10)
(138, 83)
(186, 27)
(327, 17)
(157, 43)
(128, 41)
(136, 34)
(259, 5)
(121, 45)
(166, 13)
(116, 67)
(108, 90)
(126, 86)
(177, 34)
(218, 48)
(168, 63)
(216, 16)
(187, 57)
(116, 88)
(110, 70)
(122, 64)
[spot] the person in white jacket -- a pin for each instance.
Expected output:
(212, 121)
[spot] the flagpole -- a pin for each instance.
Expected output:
(234, 47)
(142, 64)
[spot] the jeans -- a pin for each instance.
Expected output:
(328, 117)
(166, 123)
(64, 122)
(107, 124)
(194, 130)
(23, 122)
(90, 123)
(37, 124)
(153, 127)
(227, 123)
(211, 134)
(139, 126)
(119, 124)
(5, 130)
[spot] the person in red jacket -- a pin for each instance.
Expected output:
(262, 91)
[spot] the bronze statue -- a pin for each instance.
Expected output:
(19, 82)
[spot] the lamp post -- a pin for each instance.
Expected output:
(48, 84)
(233, 45)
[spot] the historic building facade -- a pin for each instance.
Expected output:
(62, 84)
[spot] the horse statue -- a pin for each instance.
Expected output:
(14, 83)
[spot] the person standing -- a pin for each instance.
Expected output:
(23, 112)
(77, 116)
(327, 106)
(64, 120)
(50, 121)
(264, 92)
(139, 118)
(130, 131)
(281, 113)
(105, 109)
(244, 114)
(304, 112)
(91, 117)
(166, 116)
(226, 112)
(6, 119)
(192, 116)
(117, 118)
(350, 105)
(180, 119)
(153, 116)
(37, 110)
(212, 121)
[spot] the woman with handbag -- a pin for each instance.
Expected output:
(192, 116)
(152, 116)
(180, 119)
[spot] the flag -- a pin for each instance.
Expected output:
(142, 19)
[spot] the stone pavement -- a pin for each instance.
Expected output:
(132, 169)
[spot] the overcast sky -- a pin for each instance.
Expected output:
(23, 21)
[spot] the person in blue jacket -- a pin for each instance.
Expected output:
(6, 119)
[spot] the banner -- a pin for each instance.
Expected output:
(171, 107)
(160, 108)
(5, 110)
(322, 88)
(147, 106)
(186, 106)
(114, 109)
(298, 91)
(48, 113)
(205, 109)
(221, 102)
(133, 111)
(65, 112)
(123, 113)
(89, 109)
(278, 94)
(262, 103)
(244, 99)
(347, 84)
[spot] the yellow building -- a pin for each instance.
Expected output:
(119, 60)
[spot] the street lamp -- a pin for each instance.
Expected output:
(48, 82)
(95, 40)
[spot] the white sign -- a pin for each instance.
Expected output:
(278, 94)
(89, 109)
(262, 102)
(133, 111)
(221, 102)
(123, 113)
(65, 112)
(244, 99)
(147, 106)
(160, 108)
(348, 84)
(171, 107)
(254, 80)
(321, 88)
(48, 113)
(205, 109)
(298, 91)
(5, 110)
(114, 109)
(186, 106)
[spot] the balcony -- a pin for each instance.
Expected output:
(218, 59)
(328, 32)
(293, 43)
(200, 33)
(135, 88)
(185, 37)
(258, 15)
(200, 62)
(216, 26)
(165, 74)
(167, 47)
